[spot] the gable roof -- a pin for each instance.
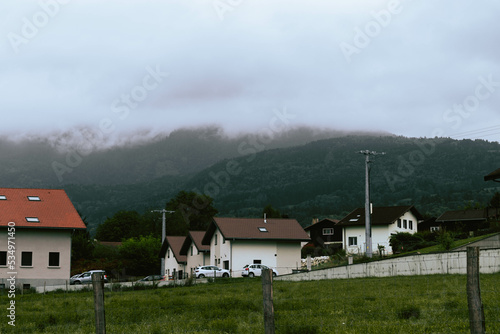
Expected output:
(249, 229)
(493, 176)
(175, 243)
(462, 215)
(48, 208)
(194, 237)
(322, 223)
(380, 216)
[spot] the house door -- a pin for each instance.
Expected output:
(226, 265)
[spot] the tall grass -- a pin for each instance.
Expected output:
(420, 304)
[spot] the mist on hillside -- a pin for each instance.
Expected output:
(81, 156)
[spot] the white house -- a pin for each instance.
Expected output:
(175, 263)
(235, 242)
(35, 236)
(384, 222)
(196, 253)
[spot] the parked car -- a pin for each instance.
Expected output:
(252, 270)
(73, 278)
(152, 278)
(209, 271)
(86, 277)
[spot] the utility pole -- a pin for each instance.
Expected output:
(368, 226)
(163, 235)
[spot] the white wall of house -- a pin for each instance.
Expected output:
(196, 258)
(171, 263)
(380, 234)
(40, 243)
(288, 257)
(220, 251)
(249, 251)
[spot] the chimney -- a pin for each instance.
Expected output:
(265, 220)
(315, 220)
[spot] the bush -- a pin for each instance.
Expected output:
(445, 240)
(405, 242)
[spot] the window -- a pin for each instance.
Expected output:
(3, 258)
(27, 259)
(410, 224)
(32, 220)
(328, 231)
(216, 239)
(353, 241)
(33, 198)
(399, 223)
(435, 228)
(168, 253)
(257, 261)
(3, 197)
(53, 259)
(405, 223)
(263, 229)
(191, 250)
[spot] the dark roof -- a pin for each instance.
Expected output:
(380, 215)
(196, 238)
(49, 208)
(493, 176)
(322, 223)
(462, 215)
(249, 229)
(175, 243)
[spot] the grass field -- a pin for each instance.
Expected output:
(419, 304)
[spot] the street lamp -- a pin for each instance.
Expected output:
(163, 235)
(368, 226)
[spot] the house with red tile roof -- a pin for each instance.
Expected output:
(236, 242)
(35, 236)
(384, 222)
(175, 263)
(196, 253)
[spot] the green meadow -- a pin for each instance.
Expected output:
(413, 304)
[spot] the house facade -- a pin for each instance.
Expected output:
(325, 233)
(466, 221)
(35, 236)
(384, 222)
(175, 263)
(236, 242)
(196, 253)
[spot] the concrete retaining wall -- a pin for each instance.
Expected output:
(428, 264)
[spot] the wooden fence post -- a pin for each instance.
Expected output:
(476, 311)
(98, 287)
(267, 292)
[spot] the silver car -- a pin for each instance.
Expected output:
(86, 277)
(252, 270)
(210, 271)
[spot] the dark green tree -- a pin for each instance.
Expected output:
(140, 255)
(271, 212)
(192, 212)
(123, 225)
(81, 244)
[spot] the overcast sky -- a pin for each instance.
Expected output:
(412, 68)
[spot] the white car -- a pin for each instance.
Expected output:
(252, 270)
(210, 271)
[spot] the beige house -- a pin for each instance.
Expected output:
(35, 236)
(236, 242)
(196, 253)
(175, 263)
